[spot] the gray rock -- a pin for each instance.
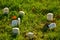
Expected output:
(52, 25)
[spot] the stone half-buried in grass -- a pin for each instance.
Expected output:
(15, 31)
(6, 11)
(52, 25)
(14, 23)
(50, 16)
(30, 35)
(21, 14)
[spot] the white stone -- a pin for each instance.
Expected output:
(50, 16)
(21, 13)
(52, 25)
(30, 35)
(6, 10)
(19, 21)
(14, 22)
(15, 31)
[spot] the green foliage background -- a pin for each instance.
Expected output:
(34, 19)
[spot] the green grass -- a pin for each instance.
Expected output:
(34, 18)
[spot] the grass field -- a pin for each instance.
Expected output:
(34, 19)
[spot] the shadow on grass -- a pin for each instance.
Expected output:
(13, 36)
(44, 29)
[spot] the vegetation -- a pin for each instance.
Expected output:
(34, 19)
